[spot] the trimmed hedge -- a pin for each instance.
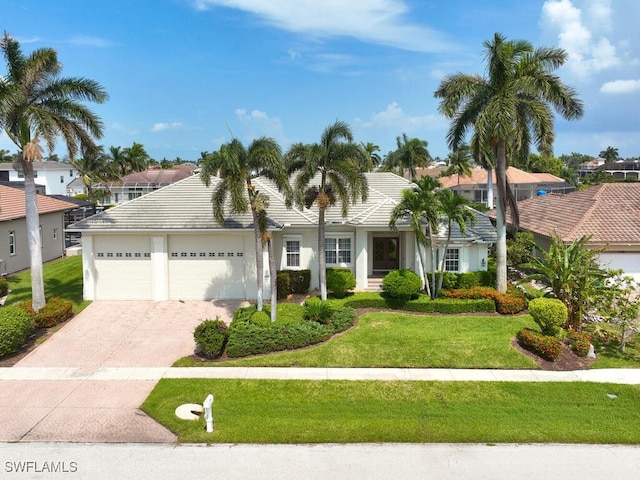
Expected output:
(579, 343)
(340, 281)
(544, 346)
(55, 311)
(505, 303)
(401, 284)
(549, 313)
(343, 319)
(424, 304)
(210, 337)
(15, 327)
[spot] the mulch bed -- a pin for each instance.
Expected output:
(566, 361)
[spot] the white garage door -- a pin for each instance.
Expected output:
(122, 267)
(203, 267)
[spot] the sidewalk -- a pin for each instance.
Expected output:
(123, 374)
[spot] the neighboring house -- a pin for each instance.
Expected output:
(137, 184)
(609, 212)
(53, 176)
(523, 184)
(622, 169)
(14, 251)
(76, 187)
(591, 166)
(167, 245)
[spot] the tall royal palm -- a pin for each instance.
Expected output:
(237, 166)
(510, 107)
(36, 104)
(410, 154)
(325, 173)
(459, 162)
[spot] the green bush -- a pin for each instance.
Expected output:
(210, 337)
(549, 313)
(510, 303)
(318, 311)
(250, 339)
(401, 284)
(260, 318)
(283, 285)
(444, 305)
(343, 319)
(55, 311)
(4, 286)
(544, 346)
(243, 314)
(340, 281)
(579, 343)
(15, 327)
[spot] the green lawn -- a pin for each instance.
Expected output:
(296, 411)
(390, 339)
(62, 278)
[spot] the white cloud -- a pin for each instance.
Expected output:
(256, 123)
(159, 127)
(586, 53)
(621, 86)
(394, 116)
(382, 22)
(88, 41)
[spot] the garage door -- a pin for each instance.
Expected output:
(122, 267)
(203, 267)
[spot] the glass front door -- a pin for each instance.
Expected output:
(386, 253)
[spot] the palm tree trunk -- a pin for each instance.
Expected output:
(273, 280)
(33, 237)
(490, 188)
(322, 255)
(434, 267)
(501, 223)
(259, 259)
(425, 275)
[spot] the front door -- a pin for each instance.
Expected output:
(386, 253)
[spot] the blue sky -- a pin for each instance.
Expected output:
(185, 75)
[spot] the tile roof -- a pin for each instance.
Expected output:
(609, 212)
(515, 176)
(12, 204)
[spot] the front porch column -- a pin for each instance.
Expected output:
(160, 268)
(362, 259)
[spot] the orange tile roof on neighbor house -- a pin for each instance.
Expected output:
(12, 204)
(609, 212)
(515, 176)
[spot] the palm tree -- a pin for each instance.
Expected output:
(455, 209)
(37, 104)
(410, 154)
(372, 158)
(93, 167)
(118, 161)
(610, 154)
(336, 161)
(237, 166)
(137, 158)
(419, 205)
(508, 107)
(459, 162)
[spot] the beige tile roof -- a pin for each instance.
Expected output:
(515, 176)
(12, 204)
(609, 212)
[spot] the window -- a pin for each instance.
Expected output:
(71, 173)
(61, 178)
(292, 252)
(452, 260)
(12, 242)
(338, 251)
(133, 195)
(55, 233)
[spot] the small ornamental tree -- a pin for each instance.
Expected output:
(620, 305)
(549, 313)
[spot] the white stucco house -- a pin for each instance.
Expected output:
(167, 245)
(54, 176)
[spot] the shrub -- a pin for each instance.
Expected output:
(579, 343)
(510, 303)
(342, 319)
(544, 346)
(283, 285)
(4, 286)
(243, 314)
(15, 327)
(340, 281)
(449, 306)
(505, 303)
(468, 280)
(318, 311)
(260, 318)
(549, 313)
(401, 284)
(210, 337)
(55, 311)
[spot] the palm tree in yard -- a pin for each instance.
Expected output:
(610, 154)
(93, 167)
(410, 154)
(237, 166)
(459, 162)
(371, 156)
(36, 104)
(509, 107)
(419, 205)
(326, 173)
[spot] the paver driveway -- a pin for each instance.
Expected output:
(106, 335)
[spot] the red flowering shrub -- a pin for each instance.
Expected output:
(506, 303)
(509, 304)
(544, 346)
(579, 343)
(55, 311)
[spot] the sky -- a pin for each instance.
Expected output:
(186, 76)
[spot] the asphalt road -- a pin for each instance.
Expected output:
(311, 462)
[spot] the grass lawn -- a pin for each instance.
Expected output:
(296, 411)
(62, 278)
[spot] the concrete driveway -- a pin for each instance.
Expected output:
(106, 335)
